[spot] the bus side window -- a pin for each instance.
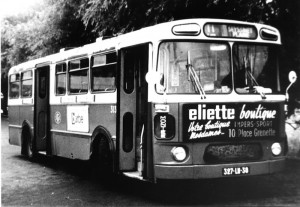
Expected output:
(60, 87)
(14, 86)
(78, 76)
(26, 84)
(103, 77)
(129, 66)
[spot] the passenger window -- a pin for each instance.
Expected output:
(60, 87)
(26, 84)
(78, 76)
(14, 86)
(103, 76)
(129, 67)
(43, 82)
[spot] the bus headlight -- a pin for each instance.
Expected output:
(276, 148)
(179, 153)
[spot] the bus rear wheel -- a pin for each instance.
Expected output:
(27, 145)
(101, 159)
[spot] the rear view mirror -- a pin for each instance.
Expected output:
(153, 77)
(292, 77)
(156, 78)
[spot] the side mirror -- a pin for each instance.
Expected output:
(155, 78)
(292, 79)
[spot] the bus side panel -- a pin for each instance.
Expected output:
(103, 115)
(15, 136)
(77, 145)
(71, 146)
(14, 125)
(99, 115)
(58, 119)
(14, 115)
(26, 113)
(65, 143)
(17, 115)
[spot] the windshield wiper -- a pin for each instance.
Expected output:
(258, 89)
(195, 80)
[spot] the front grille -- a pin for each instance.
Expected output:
(232, 153)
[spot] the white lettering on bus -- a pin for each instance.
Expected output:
(197, 135)
(113, 109)
(210, 129)
(208, 114)
(163, 125)
(264, 132)
(217, 125)
(195, 127)
(259, 113)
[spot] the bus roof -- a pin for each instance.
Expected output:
(180, 29)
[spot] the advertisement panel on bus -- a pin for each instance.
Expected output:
(238, 120)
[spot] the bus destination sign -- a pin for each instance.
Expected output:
(248, 120)
(230, 30)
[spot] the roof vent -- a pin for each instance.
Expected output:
(99, 39)
(66, 48)
(268, 34)
(191, 29)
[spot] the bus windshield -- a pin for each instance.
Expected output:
(194, 67)
(255, 68)
(204, 68)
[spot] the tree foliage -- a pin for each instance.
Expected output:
(70, 23)
(56, 24)
(42, 32)
(111, 16)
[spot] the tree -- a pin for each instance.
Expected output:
(72, 23)
(110, 16)
(42, 32)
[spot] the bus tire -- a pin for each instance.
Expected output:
(27, 148)
(102, 158)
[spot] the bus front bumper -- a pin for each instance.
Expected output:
(216, 171)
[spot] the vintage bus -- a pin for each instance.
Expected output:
(187, 99)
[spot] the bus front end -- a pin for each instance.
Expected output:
(220, 111)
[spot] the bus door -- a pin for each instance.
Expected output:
(41, 108)
(132, 106)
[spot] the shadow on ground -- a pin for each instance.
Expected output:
(200, 192)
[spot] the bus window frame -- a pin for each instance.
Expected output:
(70, 71)
(59, 73)
(18, 80)
(279, 90)
(98, 66)
(200, 41)
(21, 83)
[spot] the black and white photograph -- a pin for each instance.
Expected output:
(150, 103)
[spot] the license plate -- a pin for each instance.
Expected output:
(235, 171)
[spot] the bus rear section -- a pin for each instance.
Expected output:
(221, 114)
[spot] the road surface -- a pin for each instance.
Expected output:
(61, 182)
